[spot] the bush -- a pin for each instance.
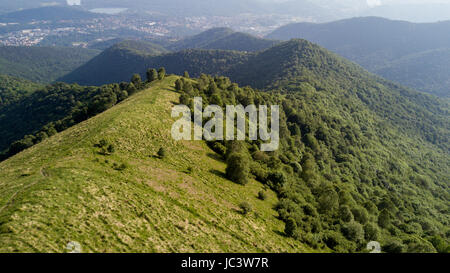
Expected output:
(245, 207)
(238, 168)
(120, 167)
(110, 149)
(162, 152)
(262, 195)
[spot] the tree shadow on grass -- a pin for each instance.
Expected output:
(218, 173)
(280, 233)
(215, 157)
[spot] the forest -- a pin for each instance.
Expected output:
(341, 178)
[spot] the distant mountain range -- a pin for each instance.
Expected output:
(385, 47)
(51, 13)
(224, 39)
(212, 52)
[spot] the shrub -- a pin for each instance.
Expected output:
(262, 195)
(120, 167)
(245, 208)
(111, 149)
(162, 152)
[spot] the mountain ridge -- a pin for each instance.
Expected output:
(376, 43)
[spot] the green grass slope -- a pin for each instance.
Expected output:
(67, 191)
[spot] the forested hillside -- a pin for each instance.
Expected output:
(13, 89)
(384, 46)
(423, 71)
(224, 39)
(349, 171)
(119, 64)
(33, 118)
(42, 64)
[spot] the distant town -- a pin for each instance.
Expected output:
(107, 26)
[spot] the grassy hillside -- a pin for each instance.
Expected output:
(378, 43)
(70, 192)
(42, 64)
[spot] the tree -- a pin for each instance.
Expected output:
(161, 73)
(188, 88)
(345, 214)
(136, 80)
(354, 231)
(371, 232)
(179, 85)
(290, 227)
(152, 75)
(186, 74)
(131, 89)
(384, 219)
(328, 199)
(361, 215)
(238, 168)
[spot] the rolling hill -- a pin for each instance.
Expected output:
(131, 200)
(360, 159)
(42, 64)
(377, 43)
(223, 39)
(424, 71)
(119, 64)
